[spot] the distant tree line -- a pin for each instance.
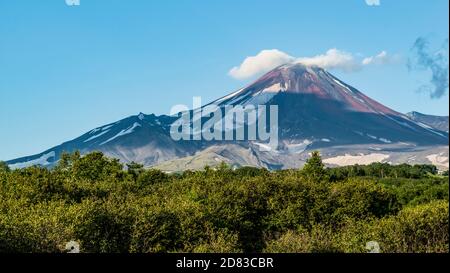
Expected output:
(383, 170)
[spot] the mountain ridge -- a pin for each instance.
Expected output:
(437, 122)
(316, 111)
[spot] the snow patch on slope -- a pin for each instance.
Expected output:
(346, 89)
(382, 139)
(123, 133)
(385, 140)
(43, 161)
(96, 136)
(260, 98)
(274, 88)
(297, 148)
(94, 131)
(228, 96)
(263, 147)
(107, 127)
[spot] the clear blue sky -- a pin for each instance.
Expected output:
(65, 70)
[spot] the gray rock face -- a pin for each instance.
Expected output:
(436, 122)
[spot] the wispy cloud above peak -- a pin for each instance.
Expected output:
(380, 58)
(383, 58)
(333, 59)
(373, 2)
(262, 62)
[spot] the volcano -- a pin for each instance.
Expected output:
(317, 111)
(315, 105)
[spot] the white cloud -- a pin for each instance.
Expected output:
(381, 58)
(264, 61)
(332, 59)
(373, 2)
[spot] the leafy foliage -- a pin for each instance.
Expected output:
(314, 169)
(383, 170)
(105, 207)
(4, 167)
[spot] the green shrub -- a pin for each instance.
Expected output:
(422, 228)
(320, 239)
(155, 231)
(41, 228)
(220, 241)
(362, 199)
(94, 201)
(4, 167)
(104, 227)
(417, 191)
(151, 177)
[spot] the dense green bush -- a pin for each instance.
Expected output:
(417, 229)
(417, 191)
(105, 207)
(320, 239)
(149, 177)
(360, 199)
(420, 229)
(45, 227)
(156, 231)
(383, 170)
(423, 228)
(4, 167)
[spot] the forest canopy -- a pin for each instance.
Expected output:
(105, 206)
